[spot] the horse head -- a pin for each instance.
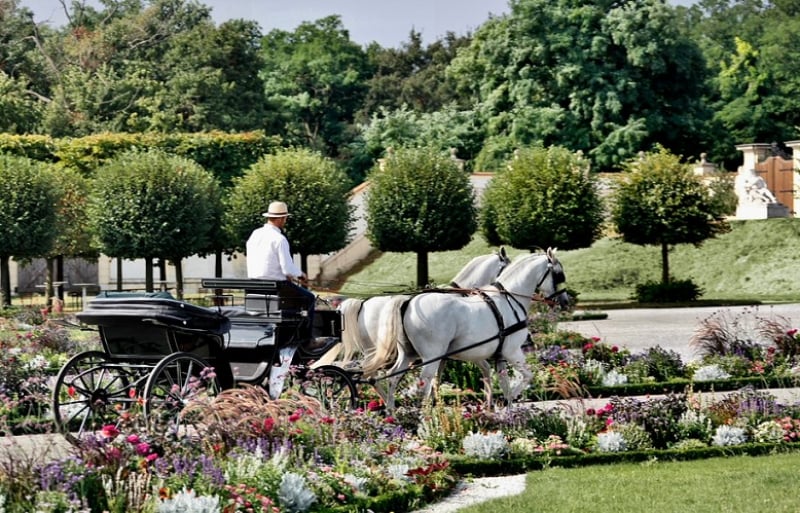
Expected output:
(536, 274)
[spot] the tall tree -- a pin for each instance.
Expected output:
(315, 189)
(314, 80)
(544, 198)
(419, 200)
(27, 214)
(152, 205)
(607, 77)
(660, 202)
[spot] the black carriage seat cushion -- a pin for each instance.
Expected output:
(117, 310)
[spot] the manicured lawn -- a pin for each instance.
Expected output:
(743, 484)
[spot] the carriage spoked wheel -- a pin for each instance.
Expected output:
(330, 385)
(177, 381)
(91, 392)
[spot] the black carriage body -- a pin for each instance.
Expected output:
(245, 338)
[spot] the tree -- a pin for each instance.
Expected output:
(420, 201)
(27, 214)
(73, 238)
(149, 204)
(660, 202)
(544, 198)
(314, 80)
(607, 77)
(316, 191)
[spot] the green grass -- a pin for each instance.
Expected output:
(758, 260)
(743, 484)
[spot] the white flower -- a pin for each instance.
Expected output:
(485, 447)
(358, 483)
(611, 441)
(399, 472)
(710, 373)
(769, 431)
(614, 378)
(186, 501)
(294, 494)
(728, 435)
(38, 362)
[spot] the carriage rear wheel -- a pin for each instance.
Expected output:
(177, 381)
(91, 392)
(332, 386)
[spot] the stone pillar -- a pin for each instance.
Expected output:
(704, 167)
(753, 154)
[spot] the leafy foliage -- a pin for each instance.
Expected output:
(545, 198)
(661, 203)
(315, 189)
(27, 213)
(675, 291)
(149, 204)
(420, 201)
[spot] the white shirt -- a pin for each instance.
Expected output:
(268, 256)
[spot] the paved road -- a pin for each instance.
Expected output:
(672, 328)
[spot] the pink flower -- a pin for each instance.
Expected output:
(389, 420)
(374, 405)
(587, 347)
(151, 457)
(327, 420)
(133, 439)
(595, 339)
(110, 431)
(142, 449)
(294, 417)
(792, 332)
(590, 411)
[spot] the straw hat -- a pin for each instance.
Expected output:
(277, 209)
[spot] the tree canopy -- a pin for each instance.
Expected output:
(420, 200)
(27, 213)
(660, 202)
(545, 197)
(316, 191)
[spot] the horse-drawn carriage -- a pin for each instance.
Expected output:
(160, 353)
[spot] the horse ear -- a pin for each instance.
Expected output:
(503, 252)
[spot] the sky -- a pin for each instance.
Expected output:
(387, 22)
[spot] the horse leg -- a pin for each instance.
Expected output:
(426, 377)
(521, 366)
(504, 379)
(486, 373)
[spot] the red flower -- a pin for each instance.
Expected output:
(71, 391)
(294, 417)
(374, 405)
(269, 423)
(389, 420)
(110, 431)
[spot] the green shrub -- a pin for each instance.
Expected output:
(676, 291)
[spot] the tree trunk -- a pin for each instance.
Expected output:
(5, 282)
(218, 301)
(178, 263)
(148, 274)
(664, 263)
(304, 263)
(119, 274)
(422, 269)
(48, 283)
(60, 277)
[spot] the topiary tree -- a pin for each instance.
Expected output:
(661, 202)
(544, 198)
(27, 214)
(149, 204)
(420, 201)
(316, 191)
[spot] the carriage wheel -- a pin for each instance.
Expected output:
(177, 381)
(90, 392)
(332, 386)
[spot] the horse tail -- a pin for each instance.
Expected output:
(390, 334)
(351, 342)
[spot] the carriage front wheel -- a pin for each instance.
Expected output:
(331, 386)
(177, 381)
(91, 392)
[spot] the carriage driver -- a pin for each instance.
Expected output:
(268, 256)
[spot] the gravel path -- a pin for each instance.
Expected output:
(478, 490)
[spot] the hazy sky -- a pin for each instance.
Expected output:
(386, 21)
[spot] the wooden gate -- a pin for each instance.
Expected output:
(779, 175)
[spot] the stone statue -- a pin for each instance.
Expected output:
(751, 188)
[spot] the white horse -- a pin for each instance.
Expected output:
(360, 317)
(490, 324)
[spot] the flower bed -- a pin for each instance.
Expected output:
(255, 454)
